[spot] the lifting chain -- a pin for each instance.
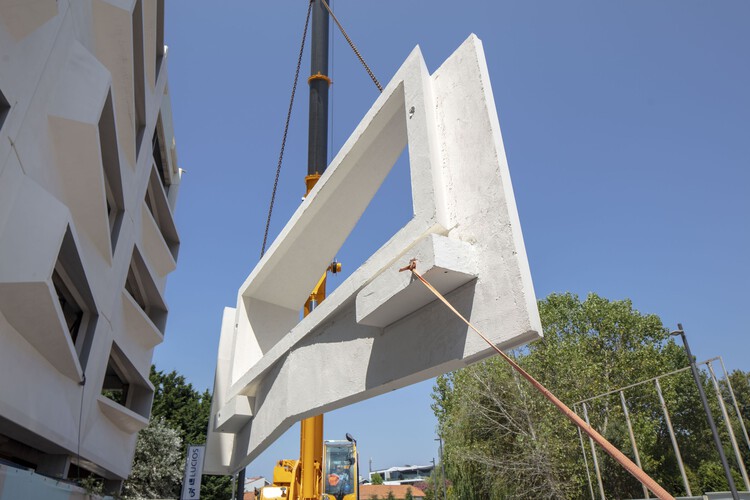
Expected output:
(286, 129)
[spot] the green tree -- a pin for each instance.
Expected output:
(377, 478)
(157, 464)
(180, 407)
(390, 496)
(503, 440)
(409, 495)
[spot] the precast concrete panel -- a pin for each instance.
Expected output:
(383, 329)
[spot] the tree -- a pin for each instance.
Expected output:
(503, 440)
(409, 495)
(157, 465)
(377, 478)
(390, 496)
(180, 405)
(186, 411)
(426, 487)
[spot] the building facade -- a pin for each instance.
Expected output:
(88, 183)
(408, 474)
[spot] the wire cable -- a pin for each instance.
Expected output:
(82, 383)
(286, 129)
(611, 450)
(354, 48)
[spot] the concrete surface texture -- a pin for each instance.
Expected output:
(88, 183)
(380, 329)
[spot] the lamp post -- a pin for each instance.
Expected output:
(709, 417)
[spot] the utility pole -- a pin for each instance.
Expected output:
(311, 430)
(442, 466)
(707, 409)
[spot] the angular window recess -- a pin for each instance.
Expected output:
(160, 156)
(159, 36)
(111, 166)
(126, 387)
(142, 288)
(4, 108)
(116, 383)
(75, 298)
(139, 82)
(156, 201)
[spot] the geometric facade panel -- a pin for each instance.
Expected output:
(22, 18)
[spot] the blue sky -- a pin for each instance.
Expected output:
(627, 131)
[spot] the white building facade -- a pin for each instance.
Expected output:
(408, 474)
(88, 183)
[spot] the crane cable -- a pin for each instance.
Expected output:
(286, 128)
(611, 450)
(354, 47)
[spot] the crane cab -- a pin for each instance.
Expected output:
(341, 471)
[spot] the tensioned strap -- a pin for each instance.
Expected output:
(608, 447)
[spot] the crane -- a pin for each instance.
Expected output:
(325, 470)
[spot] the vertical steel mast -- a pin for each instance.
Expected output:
(311, 435)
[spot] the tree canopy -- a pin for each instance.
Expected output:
(179, 417)
(503, 440)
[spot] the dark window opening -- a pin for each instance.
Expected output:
(159, 36)
(157, 204)
(134, 286)
(111, 165)
(4, 109)
(116, 384)
(138, 76)
(144, 291)
(124, 385)
(72, 312)
(75, 298)
(156, 144)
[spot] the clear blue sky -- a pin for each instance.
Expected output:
(627, 131)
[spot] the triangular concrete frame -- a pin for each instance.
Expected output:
(380, 330)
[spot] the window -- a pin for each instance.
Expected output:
(74, 296)
(139, 85)
(144, 292)
(124, 385)
(156, 201)
(159, 36)
(72, 311)
(111, 167)
(4, 109)
(159, 157)
(116, 383)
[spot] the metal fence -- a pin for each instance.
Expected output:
(582, 408)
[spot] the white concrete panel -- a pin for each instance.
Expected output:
(378, 330)
(113, 45)
(220, 445)
(446, 263)
(155, 249)
(21, 18)
(82, 179)
(127, 420)
(32, 236)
